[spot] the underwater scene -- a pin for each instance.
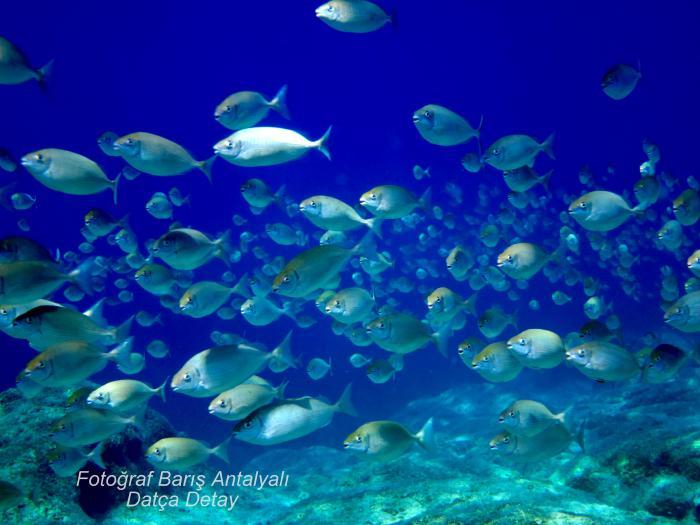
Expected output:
(392, 262)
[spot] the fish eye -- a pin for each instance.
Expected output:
(41, 364)
(373, 196)
(248, 424)
(157, 452)
(222, 403)
(511, 414)
(583, 205)
(39, 157)
(496, 152)
(337, 303)
(227, 109)
(187, 377)
(129, 141)
(312, 204)
(286, 279)
(506, 440)
(510, 258)
(486, 358)
(581, 353)
(381, 325)
(428, 115)
(358, 438)
(522, 341)
(100, 396)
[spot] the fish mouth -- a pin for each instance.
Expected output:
(493, 447)
(416, 119)
(211, 410)
(568, 355)
(302, 207)
(501, 419)
(499, 264)
(346, 445)
(275, 289)
(475, 365)
(363, 202)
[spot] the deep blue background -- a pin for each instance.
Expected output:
(531, 67)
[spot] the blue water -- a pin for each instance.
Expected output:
(534, 69)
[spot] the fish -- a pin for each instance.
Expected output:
(315, 268)
(15, 67)
(158, 348)
(459, 261)
(268, 146)
(684, 314)
(68, 172)
(619, 81)
(377, 264)
(260, 311)
(330, 213)
(350, 305)
(86, 426)
(68, 363)
(181, 453)
(646, 191)
(157, 279)
(242, 400)
(515, 151)
(472, 162)
(403, 334)
(221, 368)
(158, 156)
(493, 321)
(47, 324)
(388, 440)
(525, 178)
(22, 201)
(604, 361)
(188, 249)
(358, 360)
(147, 319)
(686, 207)
(285, 235)
(595, 307)
(443, 127)
(22, 282)
(379, 371)
(244, 109)
(106, 143)
(17, 248)
(259, 196)
(206, 297)
(540, 447)
(318, 368)
(468, 348)
(67, 462)
(393, 202)
(663, 363)
(291, 419)
(124, 395)
(496, 363)
(528, 418)
(523, 260)
(420, 173)
(353, 16)
(670, 235)
(7, 162)
(159, 206)
(537, 348)
(693, 263)
(444, 304)
(602, 211)
(100, 223)
(560, 298)
(358, 336)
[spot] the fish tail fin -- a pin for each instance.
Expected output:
(279, 103)
(564, 417)
(548, 146)
(121, 332)
(426, 199)
(426, 437)
(366, 246)
(95, 455)
(161, 389)
(279, 195)
(640, 209)
(470, 304)
(223, 247)
(375, 225)
(221, 450)
(159, 319)
(120, 354)
(427, 173)
(544, 180)
(82, 276)
(330, 365)
(344, 404)
(322, 143)
(115, 187)
(43, 74)
(477, 131)
(283, 352)
(96, 312)
(279, 391)
(206, 165)
(442, 336)
(241, 287)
